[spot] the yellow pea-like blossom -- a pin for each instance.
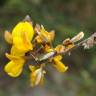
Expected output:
(58, 64)
(20, 38)
(44, 36)
(36, 76)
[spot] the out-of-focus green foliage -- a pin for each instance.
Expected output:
(67, 18)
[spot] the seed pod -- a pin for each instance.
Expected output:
(77, 37)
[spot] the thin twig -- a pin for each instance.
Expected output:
(91, 38)
(89, 41)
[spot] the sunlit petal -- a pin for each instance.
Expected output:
(8, 37)
(22, 27)
(14, 68)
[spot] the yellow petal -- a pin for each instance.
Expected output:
(43, 35)
(16, 52)
(38, 77)
(58, 57)
(22, 27)
(42, 78)
(35, 77)
(32, 79)
(21, 45)
(59, 65)
(52, 35)
(14, 68)
(47, 36)
(38, 39)
(8, 37)
(12, 57)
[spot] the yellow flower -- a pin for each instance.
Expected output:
(58, 64)
(21, 37)
(44, 36)
(36, 76)
(15, 66)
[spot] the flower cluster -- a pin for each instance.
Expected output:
(35, 44)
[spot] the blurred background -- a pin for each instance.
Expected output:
(67, 18)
